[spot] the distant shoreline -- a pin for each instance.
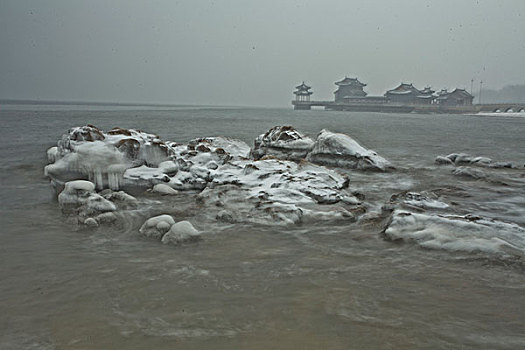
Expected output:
(111, 104)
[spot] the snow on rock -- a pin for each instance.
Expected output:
(419, 200)
(180, 232)
(234, 188)
(221, 145)
(283, 142)
(157, 226)
(163, 189)
(466, 159)
(88, 153)
(144, 176)
(341, 150)
(272, 191)
(78, 198)
(457, 233)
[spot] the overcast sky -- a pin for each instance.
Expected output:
(252, 53)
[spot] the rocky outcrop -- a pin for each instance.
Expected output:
(88, 153)
(340, 150)
(272, 184)
(283, 142)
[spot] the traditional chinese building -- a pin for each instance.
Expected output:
(407, 94)
(302, 92)
(458, 97)
(349, 88)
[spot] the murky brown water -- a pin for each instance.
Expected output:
(333, 286)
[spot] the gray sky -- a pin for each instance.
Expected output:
(244, 52)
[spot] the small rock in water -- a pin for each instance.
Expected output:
(467, 159)
(180, 232)
(163, 189)
(91, 222)
(157, 226)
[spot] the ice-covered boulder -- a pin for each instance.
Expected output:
(464, 159)
(88, 153)
(163, 189)
(340, 150)
(457, 233)
(157, 226)
(283, 142)
(180, 232)
(79, 199)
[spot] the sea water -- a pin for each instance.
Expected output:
(326, 285)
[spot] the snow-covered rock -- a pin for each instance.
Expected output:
(335, 149)
(457, 233)
(420, 200)
(463, 159)
(180, 232)
(79, 199)
(221, 145)
(273, 191)
(88, 153)
(163, 189)
(283, 142)
(157, 226)
(234, 188)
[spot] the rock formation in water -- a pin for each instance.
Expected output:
(283, 180)
(331, 149)
(269, 184)
(451, 232)
(464, 159)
